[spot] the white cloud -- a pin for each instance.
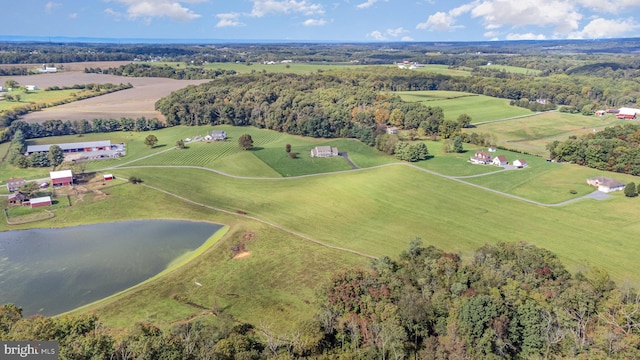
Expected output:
(116, 15)
(149, 9)
(228, 20)
(377, 35)
(605, 28)
(439, 21)
(491, 34)
(314, 22)
(50, 6)
(366, 4)
(73, 15)
(527, 36)
(559, 14)
(390, 34)
(265, 7)
(396, 32)
(608, 6)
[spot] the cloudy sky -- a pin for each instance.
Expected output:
(325, 20)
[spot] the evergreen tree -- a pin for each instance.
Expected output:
(630, 190)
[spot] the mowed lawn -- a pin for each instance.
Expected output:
(481, 108)
(532, 134)
(378, 211)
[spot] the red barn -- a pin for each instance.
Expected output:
(41, 201)
(61, 178)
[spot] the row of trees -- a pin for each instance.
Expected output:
(138, 69)
(509, 301)
(78, 127)
(16, 154)
(615, 148)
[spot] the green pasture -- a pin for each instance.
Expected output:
(532, 134)
(39, 97)
(377, 211)
(481, 108)
(278, 280)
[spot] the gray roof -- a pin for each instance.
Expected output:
(69, 146)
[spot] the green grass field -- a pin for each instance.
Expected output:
(481, 108)
(531, 134)
(375, 211)
(39, 97)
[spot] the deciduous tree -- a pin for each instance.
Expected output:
(55, 155)
(151, 141)
(245, 141)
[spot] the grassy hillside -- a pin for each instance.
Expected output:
(531, 134)
(481, 108)
(377, 211)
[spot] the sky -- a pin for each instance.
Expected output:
(324, 20)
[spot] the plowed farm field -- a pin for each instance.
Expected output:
(136, 102)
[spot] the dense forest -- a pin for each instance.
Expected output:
(615, 148)
(509, 301)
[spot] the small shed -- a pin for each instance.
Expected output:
(14, 184)
(19, 198)
(107, 177)
(40, 202)
(61, 178)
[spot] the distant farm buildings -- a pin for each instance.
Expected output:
(61, 178)
(500, 160)
(324, 151)
(627, 113)
(216, 135)
(31, 87)
(392, 130)
(606, 184)
(409, 65)
(47, 69)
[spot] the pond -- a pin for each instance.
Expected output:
(50, 271)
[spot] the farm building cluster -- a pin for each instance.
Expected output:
(485, 158)
(79, 151)
(216, 135)
(56, 179)
(625, 113)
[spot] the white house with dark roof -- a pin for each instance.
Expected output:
(520, 163)
(481, 158)
(606, 184)
(500, 160)
(324, 151)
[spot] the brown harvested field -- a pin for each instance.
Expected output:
(135, 102)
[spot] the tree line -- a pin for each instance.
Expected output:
(77, 127)
(138, 69)
(615, 149)
(508, 301)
